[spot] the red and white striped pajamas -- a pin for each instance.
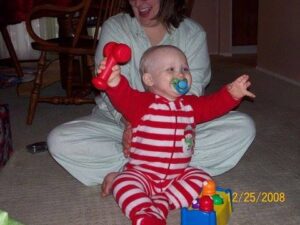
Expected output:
(157, 176)
(136, 193)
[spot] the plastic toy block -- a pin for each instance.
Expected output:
(197, 217)
(222, 209)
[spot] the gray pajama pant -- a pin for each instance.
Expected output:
(90, 147)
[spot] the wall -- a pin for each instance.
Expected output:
(278, 49)
(215, 17)
(205, 12)
(225, 27)
(278, 42)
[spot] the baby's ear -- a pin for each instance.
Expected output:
(147, 79)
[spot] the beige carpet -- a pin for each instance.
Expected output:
(51, 75)
(35, 190)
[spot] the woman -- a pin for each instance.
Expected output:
(89, 148)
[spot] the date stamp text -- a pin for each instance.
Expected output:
(258, 197)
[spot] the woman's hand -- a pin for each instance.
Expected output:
(126, 139)
(239, 88)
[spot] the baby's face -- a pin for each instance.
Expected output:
(170, 71)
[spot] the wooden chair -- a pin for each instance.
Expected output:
(11, 13)
(11, 50)
(73, 42)
(14, 12)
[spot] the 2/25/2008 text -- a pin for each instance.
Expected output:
(258, 197)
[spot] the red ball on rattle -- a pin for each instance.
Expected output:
(116, 53)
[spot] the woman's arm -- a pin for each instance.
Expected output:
(111, 30)
(198, 57)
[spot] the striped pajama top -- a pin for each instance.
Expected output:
(163, 131)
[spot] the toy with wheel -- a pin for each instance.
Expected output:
(212, 207)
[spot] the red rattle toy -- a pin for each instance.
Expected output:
(116, 54)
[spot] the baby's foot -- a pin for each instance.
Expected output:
(147, 219)
(106, 186)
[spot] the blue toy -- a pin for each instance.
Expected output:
(213, 207)
(181, 86)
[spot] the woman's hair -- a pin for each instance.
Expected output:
(171, 12)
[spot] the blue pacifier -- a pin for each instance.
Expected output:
(181, 86)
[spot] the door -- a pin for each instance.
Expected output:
(244, 22)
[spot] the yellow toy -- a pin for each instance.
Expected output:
(213, 207)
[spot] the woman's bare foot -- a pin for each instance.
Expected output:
(106, 186)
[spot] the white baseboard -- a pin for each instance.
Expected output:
(279, 76)
(247, 49)
(226, 54)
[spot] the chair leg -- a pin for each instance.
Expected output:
(11, 51)
(70, 76)
(35, 94)
(90, 64)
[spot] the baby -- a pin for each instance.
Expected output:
(157, 177)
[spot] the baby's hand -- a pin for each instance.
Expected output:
(114, 78)
(239, 88)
